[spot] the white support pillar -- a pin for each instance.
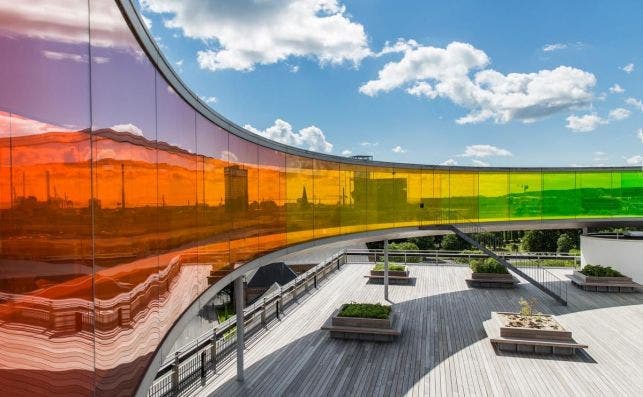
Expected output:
(385, 269)
(239, 303)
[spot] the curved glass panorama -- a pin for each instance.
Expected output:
(120, 203)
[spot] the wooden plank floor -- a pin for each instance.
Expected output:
(443, 349)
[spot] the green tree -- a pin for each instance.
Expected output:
(451, 242)
(564, 243)
(403, 246)
(424, 242)
(540, 241)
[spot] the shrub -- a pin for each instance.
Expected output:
(600, 271)
(564, 243)
(365, 310)
(489, 265)
(527, 306)
(394, 267)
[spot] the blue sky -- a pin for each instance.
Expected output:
(468, 82)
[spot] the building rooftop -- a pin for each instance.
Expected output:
(444, 349)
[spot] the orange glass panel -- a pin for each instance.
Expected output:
(271, 213)
(352, 195)
(327, 217)
(299, 199)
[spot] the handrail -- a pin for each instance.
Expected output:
(215, 345)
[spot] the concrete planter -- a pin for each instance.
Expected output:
(530, 340)
(361, 322)
(533, 333)
(601, 280)
(367, 329)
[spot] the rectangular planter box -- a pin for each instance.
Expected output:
(362, 322)
(531, 333)
(380, 273)
(601, 280)
(494, 276)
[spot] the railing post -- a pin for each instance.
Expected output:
(203, 364)
(315, 279)
(213, 351)
(175, 374)
(263, 313)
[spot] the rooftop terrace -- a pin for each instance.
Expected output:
(444, 349)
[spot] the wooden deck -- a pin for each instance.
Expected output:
(443, 349)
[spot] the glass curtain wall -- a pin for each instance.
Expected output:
(120, 203)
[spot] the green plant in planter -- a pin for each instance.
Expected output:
(391, 267)
(489, 265)
(365, 310)
(600, 271)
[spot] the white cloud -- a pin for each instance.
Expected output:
(635, 103)
(619, 114)
(243, 34)
(422, 89)
(209, 99)
(131, 128)
(311, 137)
(554, 47)
(146, 21)
(400, 45)
(484, 151)
(434, 72)
(600, 156)
(346, 152)
(617, 89)
(634, 160)
(294, 68)
(369, 144)
(449, 162)
(398, 149)
(179, 63)
(639, 134)
(64, 56)
(480, 163)
(585, 123)
(629, 68)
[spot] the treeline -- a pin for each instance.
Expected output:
(561, 240)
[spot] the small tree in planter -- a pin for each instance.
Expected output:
(530, 332)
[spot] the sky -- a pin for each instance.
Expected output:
(482, 83)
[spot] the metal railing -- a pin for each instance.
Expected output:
(356, 255)
(194, 363)
(538, 276)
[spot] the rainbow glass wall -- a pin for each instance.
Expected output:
(120, 204)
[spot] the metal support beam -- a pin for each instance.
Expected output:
(238, 303)
(385, 269)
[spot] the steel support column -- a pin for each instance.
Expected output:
(239, 303)
(385, 269)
